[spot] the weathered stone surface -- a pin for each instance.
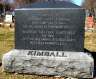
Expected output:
(76, 65)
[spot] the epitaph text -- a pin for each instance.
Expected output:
(49, 30)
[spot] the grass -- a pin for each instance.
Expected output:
(7, 44)
(6, 40)
(90, 40)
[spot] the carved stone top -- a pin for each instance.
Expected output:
(51, 4)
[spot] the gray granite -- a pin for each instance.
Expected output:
(51, 4)
(74, 64)
(50, 26)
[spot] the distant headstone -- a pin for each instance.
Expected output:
(49, 40)
(7, 25)
(8, 18)
(90, 19)
(88, 30)
(92, 28)
(90, 25)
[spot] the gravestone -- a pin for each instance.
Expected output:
(7, 25)
(90, 25)
(8, 18)
(49, 40)
(90, 20)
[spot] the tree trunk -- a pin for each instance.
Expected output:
(90, 14)
(95, 14)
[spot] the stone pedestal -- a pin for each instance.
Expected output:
(70, 64)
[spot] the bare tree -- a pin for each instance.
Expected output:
(90, 6)
(5, 5)
(1, 8)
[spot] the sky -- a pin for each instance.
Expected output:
(77, 2)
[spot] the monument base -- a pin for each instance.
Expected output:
(70, 64)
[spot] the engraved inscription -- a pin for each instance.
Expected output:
(48, 37)
(54, 54)
(49, 29)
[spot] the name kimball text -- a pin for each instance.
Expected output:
(38, 53)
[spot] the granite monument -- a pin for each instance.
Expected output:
(49, 40)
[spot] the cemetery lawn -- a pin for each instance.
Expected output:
(6, 40)
(7, 44)
(90, 40)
